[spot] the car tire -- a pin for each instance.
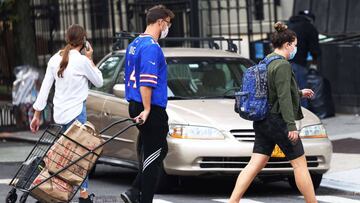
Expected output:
(92, 172)
(166, 183)
(316, 179)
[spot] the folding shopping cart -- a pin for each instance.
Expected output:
(34, 164)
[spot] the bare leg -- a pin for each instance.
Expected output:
(303, 179)
(257, 162)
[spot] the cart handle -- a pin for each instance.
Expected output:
(120, 121)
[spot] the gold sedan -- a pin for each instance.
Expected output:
(206, 136)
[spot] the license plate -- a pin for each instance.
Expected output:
(277, 152)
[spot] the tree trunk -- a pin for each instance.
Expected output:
(24, 34)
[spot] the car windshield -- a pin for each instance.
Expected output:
(191, 78)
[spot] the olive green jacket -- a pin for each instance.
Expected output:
(284, 94)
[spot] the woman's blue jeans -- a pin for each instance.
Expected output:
(82, 118)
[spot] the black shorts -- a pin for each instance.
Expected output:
(271, 131)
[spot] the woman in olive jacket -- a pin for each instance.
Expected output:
(279, 128)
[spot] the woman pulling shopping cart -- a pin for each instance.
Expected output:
(71, 71)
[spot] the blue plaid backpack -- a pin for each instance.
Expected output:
(251, 102)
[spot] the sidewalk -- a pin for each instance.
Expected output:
(26, 136)
(342, 126)
(344, 173)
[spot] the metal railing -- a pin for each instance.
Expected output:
(123, 38)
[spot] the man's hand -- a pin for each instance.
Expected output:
(146, 100)
(141, 118)
(307, 93)
(293, 135)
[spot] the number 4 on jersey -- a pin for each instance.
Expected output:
(132, 78)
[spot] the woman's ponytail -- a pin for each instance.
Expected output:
(74, 38)
(65, 60)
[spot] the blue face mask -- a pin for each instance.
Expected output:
(293, 53)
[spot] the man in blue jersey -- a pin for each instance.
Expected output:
(146, 91)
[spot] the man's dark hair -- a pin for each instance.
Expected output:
(307, 14)
(158, 12)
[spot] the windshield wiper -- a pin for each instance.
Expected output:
(178, 98)
(231, 89)
(224, 95)
(219, 97)
(229, 96)
(202, 97)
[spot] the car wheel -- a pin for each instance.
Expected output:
(316, 179)
(166, 182)
(92, 172)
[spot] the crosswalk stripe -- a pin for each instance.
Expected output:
(242, 201)
(5, 181)
(335, 199)
(160, 201)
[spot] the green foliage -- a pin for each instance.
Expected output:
(7, 11)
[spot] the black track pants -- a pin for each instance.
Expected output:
(152, 147)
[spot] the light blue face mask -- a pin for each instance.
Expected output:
(293, 53)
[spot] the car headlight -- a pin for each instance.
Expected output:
(313, 131)
(195, 132)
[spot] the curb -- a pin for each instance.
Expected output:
(16, 137)
(29, 140)
(341, 185)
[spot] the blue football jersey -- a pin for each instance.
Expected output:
(145, 65)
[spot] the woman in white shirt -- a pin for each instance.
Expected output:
(71, 72)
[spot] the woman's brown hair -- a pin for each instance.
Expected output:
(282, 35)
(75, 36)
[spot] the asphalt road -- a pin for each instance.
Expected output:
(109, 182)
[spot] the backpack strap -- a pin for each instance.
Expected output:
(268, 60)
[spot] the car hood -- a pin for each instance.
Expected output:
(218, 113)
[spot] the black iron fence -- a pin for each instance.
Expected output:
(101, 19)
(238, 17)
(251, 20)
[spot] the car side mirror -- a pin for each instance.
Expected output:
(119, 90)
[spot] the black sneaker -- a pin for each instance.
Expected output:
(87, 200)
(131, 196)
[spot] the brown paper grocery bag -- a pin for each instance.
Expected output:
(53, 190)
(65, 151)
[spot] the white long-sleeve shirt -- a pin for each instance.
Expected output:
(71, 90)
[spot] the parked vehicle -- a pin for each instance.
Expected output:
(206, 135)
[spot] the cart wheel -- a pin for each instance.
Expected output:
(11, 196)
(24, 197)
